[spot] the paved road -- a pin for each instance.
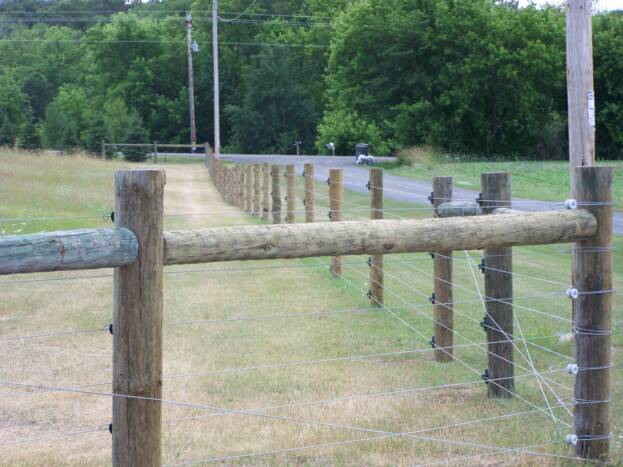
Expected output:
(396, 188)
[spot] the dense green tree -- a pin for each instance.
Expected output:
(469, 76)
(608, 58)
(14, 111)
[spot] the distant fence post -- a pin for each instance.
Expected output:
(248, 169)
(592, 278)
(256, 190)
(290, 194)
(308, 173)
(103, 149)
(137, 322)
(442, 271)
(498, 264)
(155, 155)
(240, 187)
(336, 195)
(265, 192)
(376, 261)
(276, 194)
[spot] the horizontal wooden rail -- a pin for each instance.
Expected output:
(375, 237)
(67, 250)
(468, 209)
(105, 248)
(151, 145)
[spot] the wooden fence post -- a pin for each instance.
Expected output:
(240, 187)
(256, 190)
(498, 263)
(103, 150)
(248, 169)
(376, 261)
(592, 278)
(155, 156)
(290, 195)
(336, 196)
(137, 322)
(442, 270)
(308, 173)
(266, 192)
(276, 194)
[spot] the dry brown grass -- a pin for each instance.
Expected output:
(85, 359)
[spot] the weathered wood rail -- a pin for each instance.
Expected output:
(70, 250)
(138, 249)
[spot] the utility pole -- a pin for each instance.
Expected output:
(217, 117)
(191, 47)
(580, 92)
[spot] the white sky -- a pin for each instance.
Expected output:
(600, 5)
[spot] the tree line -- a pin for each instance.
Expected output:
(478, 77)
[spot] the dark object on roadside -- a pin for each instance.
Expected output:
(362, 154)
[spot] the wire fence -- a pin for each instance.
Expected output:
(339, 373)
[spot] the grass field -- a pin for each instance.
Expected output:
(548, 181)
(282, 338)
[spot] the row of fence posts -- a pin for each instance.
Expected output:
(241, 186)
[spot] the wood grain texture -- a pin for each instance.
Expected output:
(290, 194)
(67, 250)
(593, 315)
(256, 190)
(248, 191)
(336, 200)
(276, 194)
(376, 237)
(266, 192)
(442, 282)
(579, 47)
(377, 277)
(137, 322)
(310, 202)
(496, 192)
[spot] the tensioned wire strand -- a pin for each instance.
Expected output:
(423, 336)
(293, 420)
(272, 366)
(525, 356)
(419, 312)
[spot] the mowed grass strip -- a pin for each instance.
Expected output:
(214, 360)
(537, 180)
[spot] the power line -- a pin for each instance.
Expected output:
(253, 2)
(88, 41)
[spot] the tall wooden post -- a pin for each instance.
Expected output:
(103, 150)
(442, 270)
(376, 261)
(241, 186)
(256, 190)
(155, 156)
(496, 193)
(308, 174)
(336, 196)
(276, 194)
(290, 195)
(249, 188)
(580, 92)
(592, 277)
(137, 322)
(266, 192)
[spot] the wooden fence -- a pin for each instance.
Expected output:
(156, 149)
(138, 249)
